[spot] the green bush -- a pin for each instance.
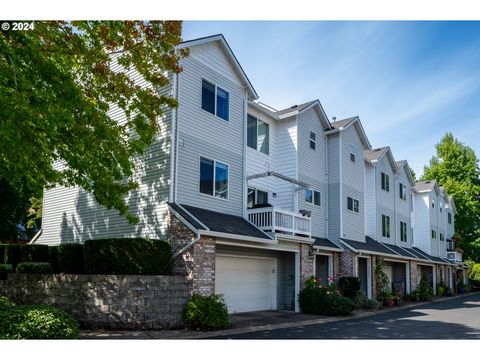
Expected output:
(135, 256)
(4, 270)
(53, 255)
(34, 268)
(425, 291)
(2, 253)
(35, 253)
(71, 258)
(13, 254)
(6, 303)
(37, 322)
(349, 285)
(206, 312)
(360, 300)
(372, 304)
(322, 301)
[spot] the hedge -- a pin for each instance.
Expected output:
(37, 322)
(349, 285)
(2, 253)
(13, 254)
(53, 255)
(4, 270)
(35, 253)
(34, 268)
(71, 258)
(128, 256)
(322, 301)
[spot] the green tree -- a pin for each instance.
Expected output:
(57, 85)
(456, 167)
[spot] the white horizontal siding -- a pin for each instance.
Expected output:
(370, 202)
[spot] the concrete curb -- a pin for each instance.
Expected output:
(189, 334)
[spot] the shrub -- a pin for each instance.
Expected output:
(2, 253)
(4, 270)
(6, 303)
(53, 255)
(425, 291)
(135, 256)
(35, 253)
(206, 312)
(71, 258)
(34, 268)
(322, 301)
(37, 322)
(13, 254)
(349, 285)
(360, 299)
(372, 305)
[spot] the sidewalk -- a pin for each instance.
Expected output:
(250, 322)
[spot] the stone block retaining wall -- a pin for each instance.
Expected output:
(105, 301)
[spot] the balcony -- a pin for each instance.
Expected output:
(277, 220)
(454, 256)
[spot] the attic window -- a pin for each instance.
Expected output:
(313, 140)
(353, 152)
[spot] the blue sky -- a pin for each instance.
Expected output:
(409, 82)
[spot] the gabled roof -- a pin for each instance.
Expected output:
(294, 108)
(206, 220)
(373, 156)
(344, 124)
(299, 109)
(426, 186)
(404, 164)
(452, 203)
(369, 245)
(327, 244)
(252, 94)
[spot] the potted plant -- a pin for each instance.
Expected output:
(461, 287)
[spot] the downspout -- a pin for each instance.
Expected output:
(190, 244)
(244, 177)
(326, 183)
(340, 158)
(177, 82)
(395, 176)
(37, 235)
(173, 142)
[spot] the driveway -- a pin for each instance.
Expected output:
(458, 318)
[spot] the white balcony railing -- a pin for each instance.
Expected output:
(454, 256)
(280, 220)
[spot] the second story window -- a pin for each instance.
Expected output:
(440, 207)
(256, 197)
(213, 178)
(353, 152)
(385, 182)
(215, 100)
(353, 204)
(403, 231)
(403, 192)
(433, 204)
(386, 226)
(312, 197)
(313, 140)
(450, 218)
(434, 234)
(442, 237)
(258, 134)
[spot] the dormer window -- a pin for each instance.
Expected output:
(403, 192)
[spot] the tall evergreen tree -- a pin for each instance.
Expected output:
(456, 167)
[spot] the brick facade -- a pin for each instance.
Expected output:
(374, 279)
(306, 263)
(336, 265)
(414, 275)
(348, 263)
(197, 263)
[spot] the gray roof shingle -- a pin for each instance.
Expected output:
(325, 243)
(342, 123)
(425, 185)
(369, 245)
(374, 154)
(294, 108)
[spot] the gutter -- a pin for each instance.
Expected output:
(37, 235)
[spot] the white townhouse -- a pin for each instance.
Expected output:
(256, 200)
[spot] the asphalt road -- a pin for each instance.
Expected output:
(458, 318)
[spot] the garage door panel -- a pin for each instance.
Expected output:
(248, 284)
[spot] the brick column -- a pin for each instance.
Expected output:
(204, 266)
(306, 264)
(348, 263)
(413, 275)
(336, 265)
(374, 279)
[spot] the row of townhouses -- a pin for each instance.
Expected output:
(256, 200)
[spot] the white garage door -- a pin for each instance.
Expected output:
(248, 284)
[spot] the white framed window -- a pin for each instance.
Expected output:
(353, 152)
(433, 203)
(385, 183)
(442, 237)
(434, 234)
(353, 204)
(313, 140)
(440, 207)
(258, 134)
(449, 217)
(403, 231)
(312, 197)
(403, 192)
(256, 197)
(213, 178)
(215, 100)
(386, 226)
